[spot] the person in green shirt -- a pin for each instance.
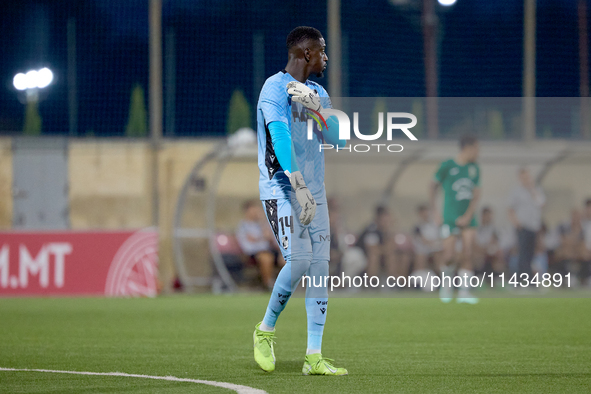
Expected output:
(459, 178)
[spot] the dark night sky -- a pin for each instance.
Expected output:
(480, 53)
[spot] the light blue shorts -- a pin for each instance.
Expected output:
(296, 241)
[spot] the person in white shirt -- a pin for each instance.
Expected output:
(525, 213)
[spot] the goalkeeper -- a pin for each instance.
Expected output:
(291, 185)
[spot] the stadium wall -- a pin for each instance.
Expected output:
(111, 186)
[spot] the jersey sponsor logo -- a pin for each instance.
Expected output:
(323, 238)
(472, 171)
(323, 310)
(463, 188)
(284, 242)
(454, 171)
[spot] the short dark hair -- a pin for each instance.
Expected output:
(468, 140)
(486, 209)
(301, 34)
(422, 207)
(588, 202)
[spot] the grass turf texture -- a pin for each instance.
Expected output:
(388, 345)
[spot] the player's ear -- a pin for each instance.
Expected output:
(307, 55)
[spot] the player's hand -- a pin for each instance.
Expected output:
(304, 95)
(303, 196)
(463, 221)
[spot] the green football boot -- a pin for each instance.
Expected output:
(315, 364)
(264, 353)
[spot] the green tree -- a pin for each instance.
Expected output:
(33, 120)
(496, 128)
(137, 125)
(238, 112)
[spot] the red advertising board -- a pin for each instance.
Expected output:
(70, 263)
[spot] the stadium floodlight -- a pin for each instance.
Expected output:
(31, 79)
(44, 78)
(34, 79)
(20, 81)
(447, 3)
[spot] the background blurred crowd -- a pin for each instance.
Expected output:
(382, 248)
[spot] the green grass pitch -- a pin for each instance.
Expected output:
(388, 345)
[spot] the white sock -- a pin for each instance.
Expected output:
(312, 351)
(264, 327)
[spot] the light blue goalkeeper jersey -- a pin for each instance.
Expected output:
(275, 106)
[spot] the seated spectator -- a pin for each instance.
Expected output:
(569, 251)
(378, 244)
(487, 251)
(345, 256)
(337, 236)
(256, 241)
(426, 242)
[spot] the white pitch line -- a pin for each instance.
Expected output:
(230, 386)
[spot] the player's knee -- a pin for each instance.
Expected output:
(319, 267)
(300, 262)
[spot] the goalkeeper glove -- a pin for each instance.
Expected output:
(302, 94)
(303, 196)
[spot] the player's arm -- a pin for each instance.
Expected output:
(283, 146)
(433, 189)
(466, 218)
(330, 132)
(310, 99)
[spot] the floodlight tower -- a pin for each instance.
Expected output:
(32, 82)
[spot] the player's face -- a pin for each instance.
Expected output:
(318, 57)
(472, 152)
